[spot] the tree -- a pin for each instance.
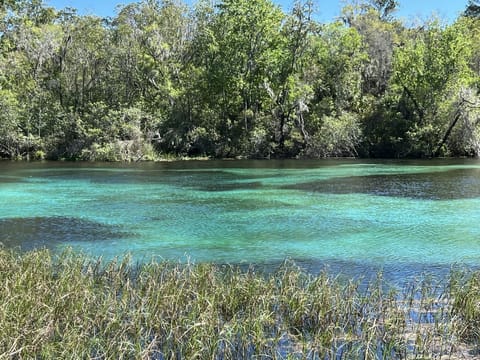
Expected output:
(473, 9)
(30, 41)
(12, 140)
(338, 99)
(288, 87)
(237, 47)
(429, 70)
(235, 78)
(385, 8)
(380, 34)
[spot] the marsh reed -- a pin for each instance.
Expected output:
(69, 306)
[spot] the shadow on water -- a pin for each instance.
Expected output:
(446, 185)
(395, 274)
(196, 179)
(232, 186)
(36, 232)
(10, 179)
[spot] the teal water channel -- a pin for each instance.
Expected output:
(351, 215)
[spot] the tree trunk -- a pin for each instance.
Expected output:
(447, 133)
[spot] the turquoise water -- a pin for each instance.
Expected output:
(349, 214)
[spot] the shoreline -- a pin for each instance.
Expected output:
(239, 158)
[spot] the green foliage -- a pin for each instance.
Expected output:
(429, 70)
(238, 78)
(473, 9)
(338, 136)
(9, 127)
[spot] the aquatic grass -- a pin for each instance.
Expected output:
(465, 291)
(69, 305)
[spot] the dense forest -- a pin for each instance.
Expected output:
(236, 78)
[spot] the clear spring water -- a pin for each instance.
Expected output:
(352, 215)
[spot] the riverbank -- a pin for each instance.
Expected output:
(71, 306)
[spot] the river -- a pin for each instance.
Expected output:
(353, 216)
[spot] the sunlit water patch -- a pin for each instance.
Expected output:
(404, 217)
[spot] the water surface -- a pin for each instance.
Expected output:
(351, 215)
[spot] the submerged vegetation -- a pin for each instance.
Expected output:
(236, 78)
(69, 306)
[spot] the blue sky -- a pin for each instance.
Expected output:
(326, 9)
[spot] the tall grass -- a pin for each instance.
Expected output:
(72, 307)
